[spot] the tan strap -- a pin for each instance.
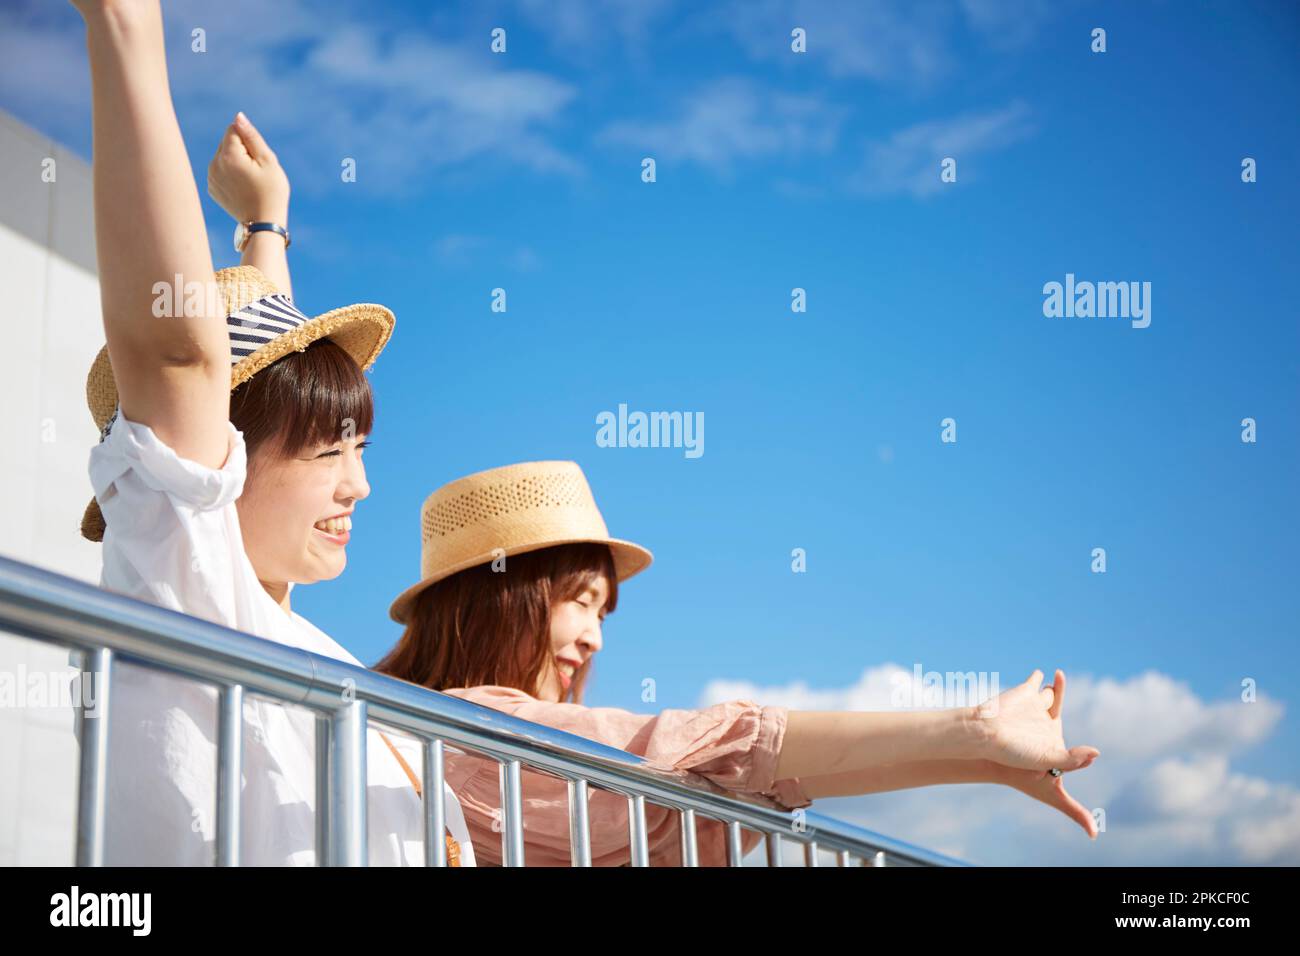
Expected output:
(453, 848)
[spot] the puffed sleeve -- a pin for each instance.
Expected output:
(172, 534)
(734, 744)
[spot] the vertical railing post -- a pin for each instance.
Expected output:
(636, 830)
(690, 847)
(348, 786)
(735, 844)
(844, 858)
(774, 850)
(324, 776)
(579, 825)
(435, 806)
(92, 780)
(512, 827)
(810, 854)
(879, 858)
(230, 768)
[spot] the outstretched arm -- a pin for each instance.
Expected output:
(247, 181)
(928, 773)
(1020, 728)
(173, 369)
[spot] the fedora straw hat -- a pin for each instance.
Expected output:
(510, 510)
(264, 326)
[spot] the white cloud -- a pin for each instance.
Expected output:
(888, 41)
(1164, 779)
(585, 29)
(1009, 23)
(893, 42)
(321, 81)
(733, 119)
(909, 161)
(457, 249)
(883, 41)
(460, 250)
(525, 259)
(1171, 717)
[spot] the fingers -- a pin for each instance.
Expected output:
(1076, 812)
(1052, 695)
(1077, 758)
(1035, 678)
(1087, 762)
(257, 147)
(1059, 694)
(231, 148)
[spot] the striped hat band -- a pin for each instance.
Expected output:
(259, 322)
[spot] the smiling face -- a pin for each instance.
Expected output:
(520, 625)
(575, 637)
(304, 419)
(296, 511)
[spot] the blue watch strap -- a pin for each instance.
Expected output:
(269, 227)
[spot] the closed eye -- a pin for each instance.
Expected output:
(338, 451)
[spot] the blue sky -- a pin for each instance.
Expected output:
(821, 171)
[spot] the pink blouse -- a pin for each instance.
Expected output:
(734, 744)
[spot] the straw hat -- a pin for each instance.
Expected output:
(264, 326)
(515, 509)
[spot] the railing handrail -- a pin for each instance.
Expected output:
(45, 606)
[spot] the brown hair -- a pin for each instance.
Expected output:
(480, 626)
(303, 399)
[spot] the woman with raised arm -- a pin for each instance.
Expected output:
(518, 573)
(228, 469)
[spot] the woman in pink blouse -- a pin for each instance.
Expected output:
(518, 574)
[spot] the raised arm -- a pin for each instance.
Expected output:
(247, 181)
(172, 370)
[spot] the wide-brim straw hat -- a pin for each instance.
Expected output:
(264, 326)
(508, 511)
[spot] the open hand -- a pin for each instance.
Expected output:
(1041, 785)
(1021, 728)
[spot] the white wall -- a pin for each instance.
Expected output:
(52, 330)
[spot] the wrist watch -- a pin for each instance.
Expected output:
(245, 229)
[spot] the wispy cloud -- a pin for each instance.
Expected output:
(461, 251)
(909, 160)
(907, 42)
(43, 66)
(1164, 779)
(847, 38)
(1009, 23)
(588, 30)
(730, 120)
(323, 83)
(456, 249)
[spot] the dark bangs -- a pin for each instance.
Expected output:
(481, 627)
(303, 400)
(573, 567)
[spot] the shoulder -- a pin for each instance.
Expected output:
(172, 533)
(132, 457)
(494, 695)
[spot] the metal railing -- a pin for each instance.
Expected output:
(106, 627)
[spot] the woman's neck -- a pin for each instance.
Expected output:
(279, 591)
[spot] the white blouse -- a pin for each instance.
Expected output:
(173, 539)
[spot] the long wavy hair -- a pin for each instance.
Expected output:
(483, 627)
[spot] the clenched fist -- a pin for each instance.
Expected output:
(245, 177)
